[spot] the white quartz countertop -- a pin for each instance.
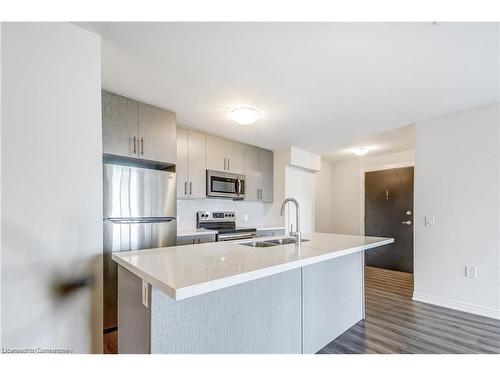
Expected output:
(190, 270)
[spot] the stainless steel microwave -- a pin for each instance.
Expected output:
(225, 185)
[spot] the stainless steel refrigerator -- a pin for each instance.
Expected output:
(139, 213)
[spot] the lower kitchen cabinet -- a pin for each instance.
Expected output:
(191, 240)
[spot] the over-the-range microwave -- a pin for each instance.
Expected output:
(225, 185)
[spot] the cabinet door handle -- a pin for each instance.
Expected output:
(228, 164)
(190, 188)
(135, 142)
(185, 187)
(224, 163)
(194, 240)
(198, 239)
(142, 146)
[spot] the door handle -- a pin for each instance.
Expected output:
(224, 163)
(406, 222)
(228, 164)
(238, 186)
(185, 188)
(135, 147)
(190, 188)
(142, 145)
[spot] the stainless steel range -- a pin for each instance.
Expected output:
(224, 222)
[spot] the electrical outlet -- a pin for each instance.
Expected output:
(430, 221)
(470, 272)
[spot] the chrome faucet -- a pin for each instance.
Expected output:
(297, 233)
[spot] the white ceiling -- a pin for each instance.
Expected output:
(399, 139)
(321, 86)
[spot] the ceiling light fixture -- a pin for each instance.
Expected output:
(359, 151)
(245, 115)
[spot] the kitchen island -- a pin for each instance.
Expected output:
(228, 297)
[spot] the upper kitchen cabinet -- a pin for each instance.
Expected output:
(252, 174)
(196, 164)
(259, 174)
(191, 170)
(120, 127)
(225, 155)
(197, 152)
(266, 175)
(181, 168)
(235, 155)
(216, 153)
(137, 130)
(157, 134)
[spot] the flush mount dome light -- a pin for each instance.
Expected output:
(244, 115)
(360, 151)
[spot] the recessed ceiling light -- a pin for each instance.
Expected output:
(244, 115)
(360, 151)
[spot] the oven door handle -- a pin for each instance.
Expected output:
(235, 236)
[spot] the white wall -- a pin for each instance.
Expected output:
(347, 188)
(291, 182)
(457, 180)
(324, 213)
(0, 181)
(300, 184)
(51, 185)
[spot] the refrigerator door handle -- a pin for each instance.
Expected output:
(139, 220)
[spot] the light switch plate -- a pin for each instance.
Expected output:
(470, 272)
(430, 221)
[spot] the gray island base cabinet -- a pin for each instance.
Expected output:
(296, 311)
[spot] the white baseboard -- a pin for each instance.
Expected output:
(457, 305)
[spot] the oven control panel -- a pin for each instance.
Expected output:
(204, 216)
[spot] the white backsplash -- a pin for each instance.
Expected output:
(187, 208)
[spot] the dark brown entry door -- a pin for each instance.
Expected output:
(389, 213)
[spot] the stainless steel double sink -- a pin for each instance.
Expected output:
(269, 243)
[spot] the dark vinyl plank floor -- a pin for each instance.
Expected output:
(396, 324)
